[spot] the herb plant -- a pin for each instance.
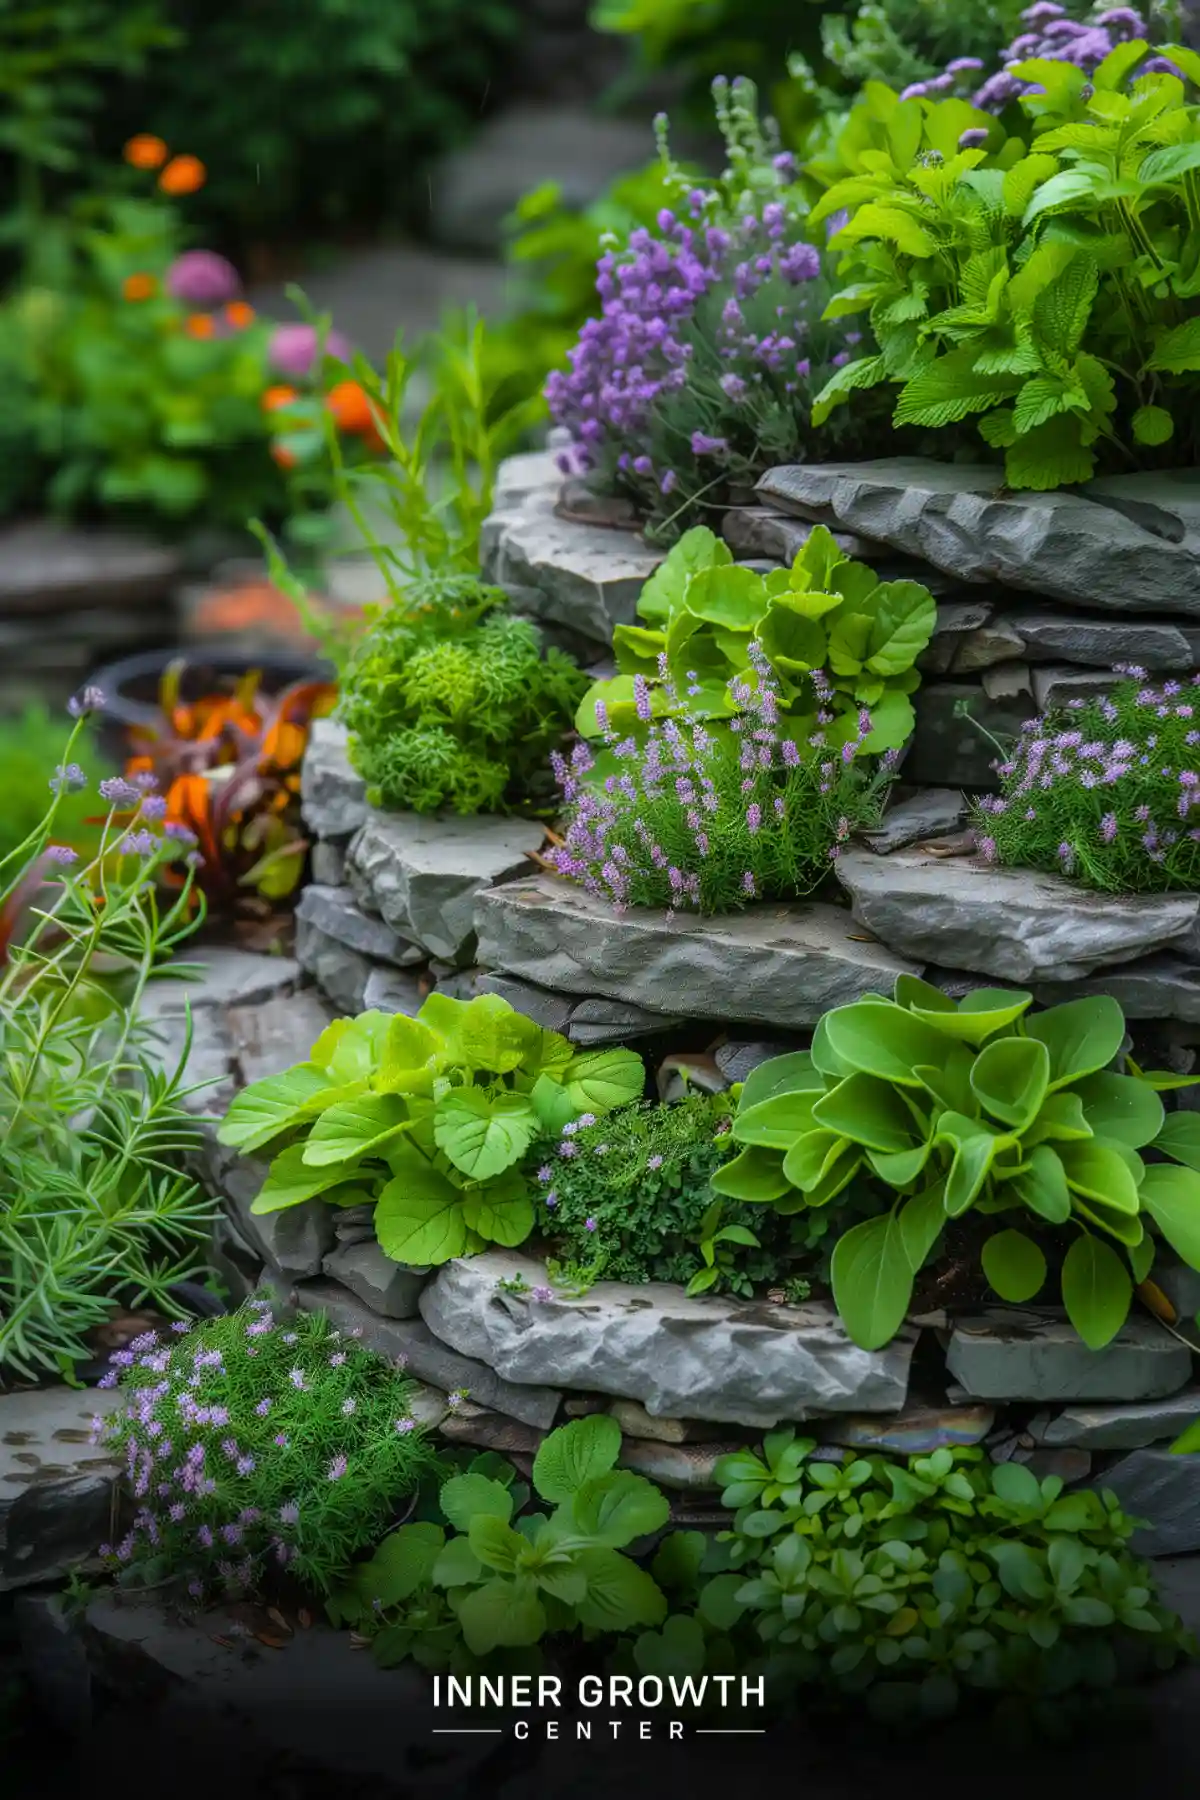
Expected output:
(1104, 792)
(255, 1444)
(628, 1199)
(836, 637)
(29, 745)
(928, 1587)
(451, 702)
(696, 819)
(1041, 282)
(94, 1211)
(427, 1118)
(976, 1106)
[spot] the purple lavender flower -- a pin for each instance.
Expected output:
(119, 792)
(88, 700)
(337, 1468)
(68, 779)
(139, 843)
(63, 854)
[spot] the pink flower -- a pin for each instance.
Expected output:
(294, 349)
(202, 278)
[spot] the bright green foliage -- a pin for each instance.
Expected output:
(511, 1578)
(454, 703)
(827, 614)
(30, 746)
(429, 1119)
(977, 1106)
(93, 1130)
(633, 1203)
(321, 1465)
(930, 1586)
(1043, 284)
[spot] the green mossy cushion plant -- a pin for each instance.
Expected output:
(1041, 282)
(1037, 1122)
(428, 1119)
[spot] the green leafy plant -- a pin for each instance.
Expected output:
(94, 1211)
(452, 702)
(511, 1578)
(828, 615)
(927, 1587)
(428, 1118)
(978, 1107)
(293, 1446)
(29, 745)
(1041, 282)
(1102, 792)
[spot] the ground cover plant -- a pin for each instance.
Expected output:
(93, 1132)
(1038, 1123)
(1007, 279)
(429, 1119)
(255, 1444)
(1103, 792)
(711, 341)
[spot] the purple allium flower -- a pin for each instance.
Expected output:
(62, 854)
(119, 792)
(201, 278)
(139, 843)
(293, 349)
(154, 808)
(69, 779)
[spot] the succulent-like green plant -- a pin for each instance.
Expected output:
(826, 614)
(975, 1105)
(427, 1118)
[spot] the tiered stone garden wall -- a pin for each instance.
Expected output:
(1037, 595)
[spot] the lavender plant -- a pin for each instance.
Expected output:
(93, 1207)
(700, 369)
(255, 1444)
(1104, 791)
(707, 820)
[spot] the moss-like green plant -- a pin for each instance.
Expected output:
(976, 1106)
(428, 1119)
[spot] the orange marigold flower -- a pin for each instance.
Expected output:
(276, 398)
(350, 407)
(283, 456)
(139, 287)
(145, 151)
(240, 314)
(200, 325)
(183, 175)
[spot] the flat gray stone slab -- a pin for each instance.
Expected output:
(336, 914)
(389, 1288)
(424, 875)
(774, 965)
(732, 1361)
(1015, 1354)
(333, 798)
(929, 813)
(586, 578)
(1163, 1490)
(1130, 1427)
(268, 1038)
(343, 975)
(226, 977)
(1154, 987)
(1007, 923)
(51, 568)
(56, 1485)
(1129, 546)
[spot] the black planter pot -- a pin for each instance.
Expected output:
(131, 686)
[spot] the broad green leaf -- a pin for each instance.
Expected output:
(1060, 1120)
(779, 1075)
(404, 1562)
(467, 1497)
(638, 649)
(484, 1132)
(975, 1147)
(1141, 1258)
(354, 1129)
(892, 224)
(1099, 1172)
(492, 1035)
(494, 1542)
(904, 616)
(500, 1210)
(267, 1109)
(922, 1221)
(575, 1454)
(977, 1016)
(547, 1054)
(1178, 1137)
(678, 1559)
(1096, 1289)
(502, 1614)
(409, 1050)
(732, 597)
(552, 1104)
(1082, 1036)
(679, 1649)
(457, 1566)
(351, 1049)
(756, 1175)
(620, 1595)
(1124, 1108)
(949, 1081)
(776, 1124)
(1172, 1198)
(419, 1217)
(880, 1038)
(900, 1168)
(812, 1156)
(1041, 1186)
(599, 1080)
(1010, 1079)
(1152, 425)
(290, 1181)
(793, 642)
(1014, 1266)
(619, 1507)
(718, 1603)
(663, 594)
(867, 1111)
(872, 1280)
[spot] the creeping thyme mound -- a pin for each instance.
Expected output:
(253, 1443)
(1107, 792)
(452, 702)
(709, 817)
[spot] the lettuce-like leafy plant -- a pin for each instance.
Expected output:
(1044, 283)
(975, 1105)
(428, 1118)
(508, 1582)
(702, 612)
